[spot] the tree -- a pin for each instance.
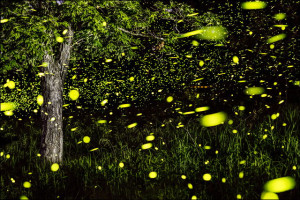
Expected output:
(48, 36)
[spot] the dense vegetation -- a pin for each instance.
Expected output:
(148, 91)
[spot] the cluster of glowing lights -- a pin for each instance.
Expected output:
(207, 33)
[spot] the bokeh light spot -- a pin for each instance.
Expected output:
(213, 119)
(127, 105)
(86, 139)
(65, 32)
(254, 90)
(9, 113)
(280, 16)
(40, 100)
(23, 197)
(253, 5)
(207, 177)
(59, 39)
(190, 33)
(235, 59)
(242, 108)
(213, 33)
(276, 38)
(3, 20)
(150, 137)
(74, 94)
(147, 146)
(10, 84)
(152, 174)
(201, 109)
(268, 196)
(169, 99)
(132, 125)
(7, 106)
(26, 184)
(54, 167)
(280, 184)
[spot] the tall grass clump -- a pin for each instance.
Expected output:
(115, 163)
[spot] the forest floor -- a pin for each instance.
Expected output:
(171, 158)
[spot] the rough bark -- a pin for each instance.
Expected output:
(51, 112)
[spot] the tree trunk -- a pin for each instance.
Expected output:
(51, 111)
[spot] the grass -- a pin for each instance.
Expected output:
(246, 159)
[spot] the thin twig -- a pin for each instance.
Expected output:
(78, 41)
